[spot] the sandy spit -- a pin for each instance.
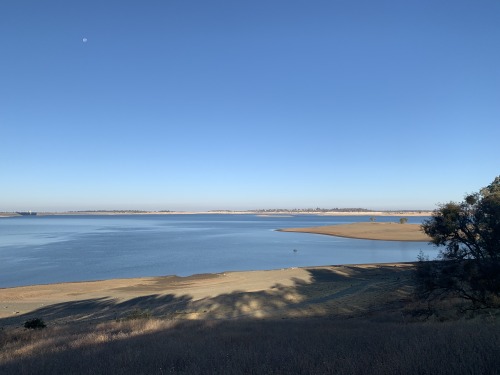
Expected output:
(369, 231)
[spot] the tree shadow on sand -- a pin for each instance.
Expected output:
(348, 292)
(344, 291)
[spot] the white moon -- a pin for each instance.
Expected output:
(84, 40)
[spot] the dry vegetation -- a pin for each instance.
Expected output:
(338, 320)
(301, 346)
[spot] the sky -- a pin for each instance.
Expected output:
(224, 104)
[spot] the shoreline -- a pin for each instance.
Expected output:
(289, 292)
(411, 213)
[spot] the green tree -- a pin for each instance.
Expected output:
(403, 220)
(468, 234)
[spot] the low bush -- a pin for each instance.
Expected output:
(35, 323)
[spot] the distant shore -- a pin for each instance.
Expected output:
(223, 212)
(369, 231)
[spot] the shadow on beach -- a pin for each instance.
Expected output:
(344, 320)
(345, 291)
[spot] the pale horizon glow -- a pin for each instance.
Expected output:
(196, 106)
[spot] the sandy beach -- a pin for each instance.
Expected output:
(369, 231)
(348, 290)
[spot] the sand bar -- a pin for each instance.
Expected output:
(369, 231)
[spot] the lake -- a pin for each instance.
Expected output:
(49, 249)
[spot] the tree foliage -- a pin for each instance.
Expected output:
(469, 236)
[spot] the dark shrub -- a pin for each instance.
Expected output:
(35, 323)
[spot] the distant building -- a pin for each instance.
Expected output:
(26, 213)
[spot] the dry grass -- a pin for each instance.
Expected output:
(326, 320)
(301, 346)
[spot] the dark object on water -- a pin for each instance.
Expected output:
(295, 250)
(26, 213)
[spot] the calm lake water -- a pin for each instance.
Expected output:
(48, 249)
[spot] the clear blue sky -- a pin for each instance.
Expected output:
(247, 104)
